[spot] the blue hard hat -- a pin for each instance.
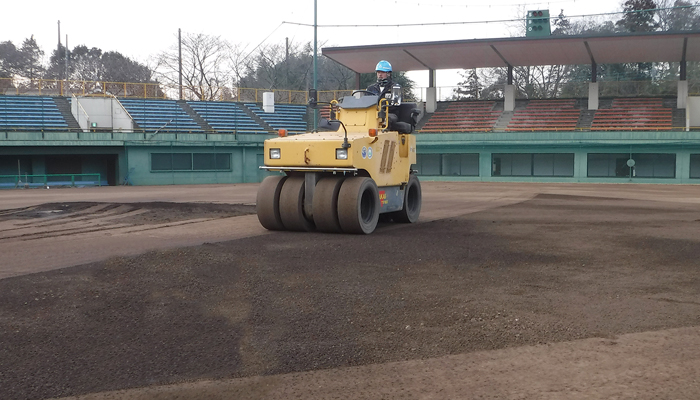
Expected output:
(384, 66)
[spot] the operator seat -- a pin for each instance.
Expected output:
(407, 116)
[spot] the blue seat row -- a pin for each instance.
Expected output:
(160, 115)
(289, 117)
(35, 113)
(226, 117)
(17, 112)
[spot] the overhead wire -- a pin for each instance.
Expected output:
(478, 22)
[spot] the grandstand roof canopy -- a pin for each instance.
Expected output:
(523, 51)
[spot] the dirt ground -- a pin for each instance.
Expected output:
(501, 291)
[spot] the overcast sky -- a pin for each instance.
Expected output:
(142, 29)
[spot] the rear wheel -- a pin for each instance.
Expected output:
(412, 201)
(292, 205)
(325, 204)
(358, 205)
(267, 203)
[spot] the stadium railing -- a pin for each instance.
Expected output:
(48, 180)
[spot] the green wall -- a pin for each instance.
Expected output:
(131, 153)
(682, 144)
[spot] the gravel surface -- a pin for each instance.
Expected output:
(553, 269)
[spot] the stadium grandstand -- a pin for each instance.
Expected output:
(76, 138)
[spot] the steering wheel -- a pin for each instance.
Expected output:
(363, 91)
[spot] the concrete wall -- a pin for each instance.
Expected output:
(580, 144)
(104, 112)
(130, 153)
(245, 161)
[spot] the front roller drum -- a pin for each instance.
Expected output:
(267, 203)
(292, 205)
(358, 205)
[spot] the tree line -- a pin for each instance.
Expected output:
(549, 81)
(215, 69)
(212, 68)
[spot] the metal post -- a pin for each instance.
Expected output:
(179, 58)
(59, 45)
(315, 62)
(66, 52)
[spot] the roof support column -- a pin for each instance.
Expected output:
(682, 83)
(357, 81)
(510, 74)
(593, 90)
(509, 92)
(682, 94)
(431, 93)
(683, 71)
(593, 96)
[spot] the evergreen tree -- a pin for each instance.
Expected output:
(562, 25)
(24, 62)
(31, 58)
(10, 59)
(470, 87)
(639, 16)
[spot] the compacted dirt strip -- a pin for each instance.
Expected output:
(563, 295)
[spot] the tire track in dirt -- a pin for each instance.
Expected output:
(74, 219)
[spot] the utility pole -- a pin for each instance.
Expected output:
(66, 53)
(58, 49)
(179, 58)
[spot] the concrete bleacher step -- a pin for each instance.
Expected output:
(256, 118)
(585, 120)
(503, 121)
(65, 108)
(196, 117)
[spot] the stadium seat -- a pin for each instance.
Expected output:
(30, 113)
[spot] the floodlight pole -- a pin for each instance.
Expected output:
(179, 59)
(315, 62)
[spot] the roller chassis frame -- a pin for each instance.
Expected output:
(316, 190)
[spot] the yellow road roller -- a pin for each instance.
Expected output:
(345, 176)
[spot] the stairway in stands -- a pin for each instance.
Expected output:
(64, 107)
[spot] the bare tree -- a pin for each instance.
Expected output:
(240, 64)
(205, 70)
(677, 15)
(337, 76)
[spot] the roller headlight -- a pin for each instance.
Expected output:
(275, 154)
(341, 154)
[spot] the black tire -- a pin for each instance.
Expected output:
(358, 205)
(325, 204)
(267, 203)
(292, 205)
(412, 201)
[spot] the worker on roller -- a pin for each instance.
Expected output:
(383, 88)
